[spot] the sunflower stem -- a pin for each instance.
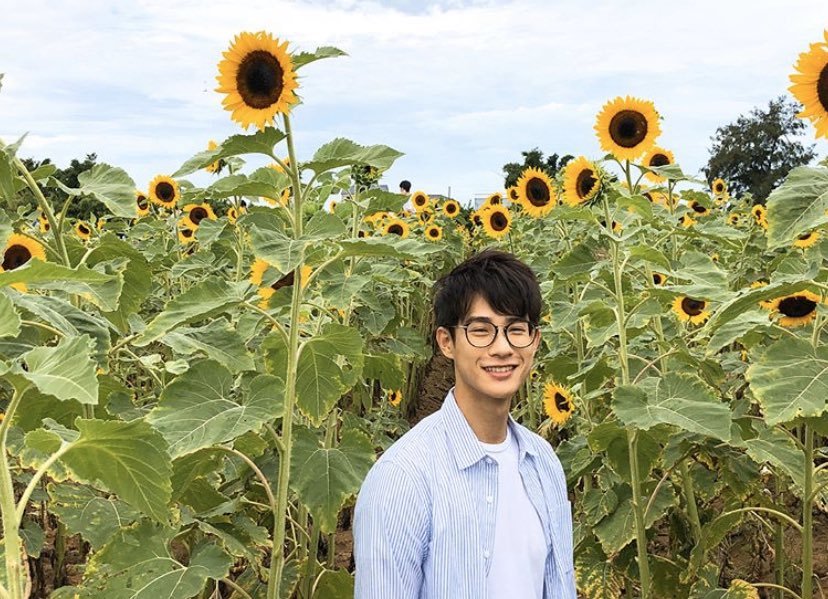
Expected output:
(15, 575)
(632, 437)
(808, 515)
(779, 543)
(277, 560)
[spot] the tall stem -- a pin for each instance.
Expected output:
(808, 516)
(277, 561)
(11, 525)
(690, 498)
(632, 441)
(779, 544)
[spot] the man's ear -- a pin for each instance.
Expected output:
(445, 342)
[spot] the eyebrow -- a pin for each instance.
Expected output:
(511, 319)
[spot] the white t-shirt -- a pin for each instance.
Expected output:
(519, 555)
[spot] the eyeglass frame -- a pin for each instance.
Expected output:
(533, 329)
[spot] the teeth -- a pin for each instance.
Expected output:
(500, 368)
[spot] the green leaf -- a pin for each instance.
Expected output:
(206, 299)
(137, 564)
(776, 447)
(218, 340)
(617, 530)
(65, 371)
(737, 329)
(100, 288)
(9, 318)
(385, 368)
(335, 584)
(325, 478)
(651, 255)
(260, 142)
(790, 379)
(200, 408)
(303, 58)
(578, 262)
(343, 152)
(95, 516)
(111, 186)
(683, 400)
(750, 298)
(382, 201)
(707, 280)
(797, 206)
(130, 458)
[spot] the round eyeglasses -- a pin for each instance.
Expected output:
(518, 334)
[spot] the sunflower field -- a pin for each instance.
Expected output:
(195, 383)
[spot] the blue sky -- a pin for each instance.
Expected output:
(461, 87)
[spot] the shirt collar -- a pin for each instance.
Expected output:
(465, 444)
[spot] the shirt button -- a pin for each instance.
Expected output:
(489, 499)
(486, 553)
(489, 460)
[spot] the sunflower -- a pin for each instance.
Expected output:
(332, 206)
(451, 208)
(689, 309)
(657, 197)
(733, 218)
(537, 195)
(496, 221)
(233, 214)
(164, 191)
(616, 226)
(83, 230)
(580, 181)
(267, 292)
(657, 156)
(495, 199)
(535, 375)
(810, 86)
(420, 200)
(699, 208)
(759, 212)
(186, 231)
(100, 224)
(686, 221)
(513, 194)
(258, 79)
(796, 309)
(477, 219)
(19, 250)
(557, 403)
(434, 233)
(396, 227)
(141, 203)
(807, 240)
(278, 167)
(719, 187)
(195, 213)
(627, 127)
(426, 217)
(213, 167)
(257, 271)
(767, 305)
(394, 397)
(43, 223)
(659, 279)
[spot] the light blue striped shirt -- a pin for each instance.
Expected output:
(423, 528)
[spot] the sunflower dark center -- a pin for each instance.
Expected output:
(260, 79)
(585, 182)
(719, 187)
(691, 306)
(659, 160)
(477, 220)
(513, 195)
(498, 221)
(561, 402)
(396, 229)
(698, 208)
(433, 232)
(83, 229)
(197, 214)
(419, 200)
(165, 191)
(648, 195)
(628, 128)
(657, 278)
(538, 192)
(451, 209)
(822, 87)
(285, 281)
(805, 237)
(15, 257)
(494, 200)
(797, 306)
(187, 233)
(142, 202)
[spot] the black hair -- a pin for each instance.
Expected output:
(405, 185)
(508, 285)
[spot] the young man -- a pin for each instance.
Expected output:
(405, 189)
(469, 504)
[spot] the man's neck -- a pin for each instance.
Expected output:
(487, 417)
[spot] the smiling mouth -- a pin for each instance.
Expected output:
(499, 368)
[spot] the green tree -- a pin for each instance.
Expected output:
(534, 158)
(83, 207)
(756, 152)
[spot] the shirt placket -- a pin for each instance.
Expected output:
(489, 516)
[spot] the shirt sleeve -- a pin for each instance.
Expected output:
(391, 531)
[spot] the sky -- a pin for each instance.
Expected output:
(461, 87)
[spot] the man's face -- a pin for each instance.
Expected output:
(473, 365)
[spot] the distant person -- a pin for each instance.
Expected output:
(405, 189)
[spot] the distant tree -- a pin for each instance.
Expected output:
(83, 207)
(755, 153)
(534, 158)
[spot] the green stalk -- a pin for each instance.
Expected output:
(45, 208)
(632, 442)
(690, 498)
(11, 535)
(808, 516)
(779, 545)
(277, 560)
